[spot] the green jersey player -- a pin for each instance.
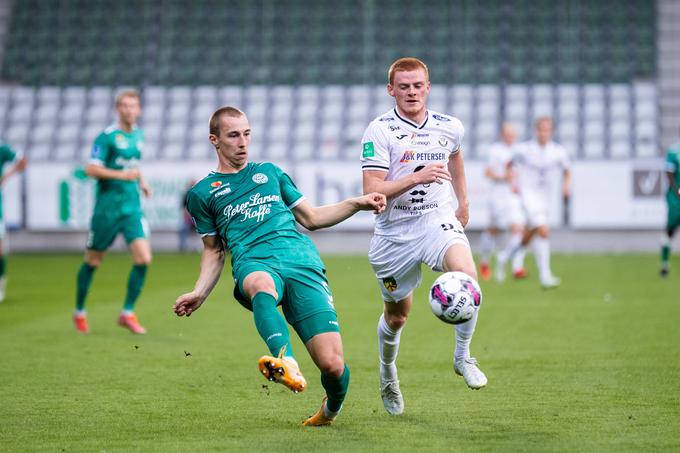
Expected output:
(673, 202)
(115, 163)
(7, 155)
(250, 209)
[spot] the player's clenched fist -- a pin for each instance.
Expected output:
(433, 173)
(374, 200)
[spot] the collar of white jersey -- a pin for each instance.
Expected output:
(411, 123)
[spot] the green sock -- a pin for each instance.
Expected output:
(83, 284)
(271, 325)
(135, 284)
(665, 254)
(336, 389)
(2, 266)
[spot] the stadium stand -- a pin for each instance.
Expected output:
(310, 74)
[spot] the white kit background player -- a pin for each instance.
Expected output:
(536, 164)
(505, 207)
(414, 157)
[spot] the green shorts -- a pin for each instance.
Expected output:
(673, 219)
(104, 228)
(304, 296)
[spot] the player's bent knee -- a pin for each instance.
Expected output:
(332, 365)
(396, 320)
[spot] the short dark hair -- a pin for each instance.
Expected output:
(223, 111)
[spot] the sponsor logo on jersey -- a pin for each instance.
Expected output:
(96, 150)
(224, 191)
(216, 184)
(260, 178)
(417, 139)
(368, 150)
(390, 283)
(439, 117)
(386, 118)
(257, 207)
(121, 141)
(410, 156)
(123, 162)
(443, 141)
(399, 137)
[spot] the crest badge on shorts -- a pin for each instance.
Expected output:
(390, 283)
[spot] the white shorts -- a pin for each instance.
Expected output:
(535, 208)
(505, 211)
(397, 264)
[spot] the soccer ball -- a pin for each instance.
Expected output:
(454, 297)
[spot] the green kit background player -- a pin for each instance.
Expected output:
(673, 203)
(250, 209)
(7, 155)
(115, 164)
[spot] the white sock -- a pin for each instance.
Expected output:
(487, 243)
(464, 334)
(388, 345)
(542, 251)
(510, 248)
(518, 258)
(329, 413)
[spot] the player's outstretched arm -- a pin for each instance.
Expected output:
(566, 183)
(16, 168)
(314, 218)
(101, 172)
(457, 169)
(374, 180)
(212, 262)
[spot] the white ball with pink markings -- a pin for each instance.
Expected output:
(454, 297)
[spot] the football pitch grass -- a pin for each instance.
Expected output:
(591, 366)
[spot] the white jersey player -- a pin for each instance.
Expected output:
(414, 157)
(535, 164)
(505, 208)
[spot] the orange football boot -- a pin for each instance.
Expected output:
(520, 273)
(319, 419)
(80, 321)
(130, 321)
(281, 370)
(485, 271)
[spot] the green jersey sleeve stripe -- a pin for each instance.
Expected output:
(296, 202)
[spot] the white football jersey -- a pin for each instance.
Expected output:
(399, 147)
(535, 165)
(500, 155)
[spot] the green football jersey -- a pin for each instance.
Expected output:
(7, 154)
(251, 212)
(673, 166)
(118, 150)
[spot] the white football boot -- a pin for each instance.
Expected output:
(550, 282)
(474, 378)
(391, 396)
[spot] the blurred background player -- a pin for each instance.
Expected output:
(672, 202)
(186, 227)
(7, 155)
(505, 208)
(414, 157)
(250, 209)
(534, 165)
(114, 162)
